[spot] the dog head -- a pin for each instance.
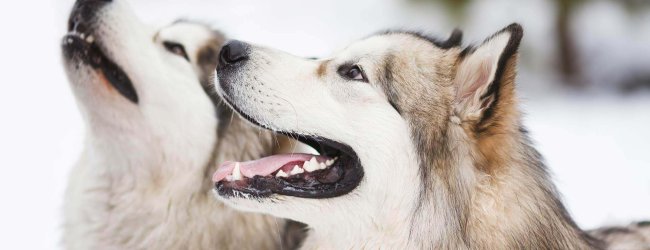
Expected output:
(139, 86)
(384, 113)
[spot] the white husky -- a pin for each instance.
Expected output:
(421, 142)
(142, 181)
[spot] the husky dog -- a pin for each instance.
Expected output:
(142, 181)
(421, 146)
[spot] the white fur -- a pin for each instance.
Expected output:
(139, 183)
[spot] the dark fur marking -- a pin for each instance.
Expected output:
(293, 235)
(615, 230)
(322, 68)
(208, 56)
(467, 51)
(454, 39)
(511, 49)
(387, 86)
(208, 59)
(643, 224)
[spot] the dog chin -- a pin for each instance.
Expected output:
(276, 205)
(280, 206)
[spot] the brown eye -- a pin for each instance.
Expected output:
(176, 48)
(352, 72)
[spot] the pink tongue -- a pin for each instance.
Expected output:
(262, 167)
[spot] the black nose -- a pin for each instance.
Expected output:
(83, 12)
(234, 51)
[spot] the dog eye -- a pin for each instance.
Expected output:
(352, 72)
(176, 48)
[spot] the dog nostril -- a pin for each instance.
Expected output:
(233, 52)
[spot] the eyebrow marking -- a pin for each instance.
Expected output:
(387, 83)
(322, 67)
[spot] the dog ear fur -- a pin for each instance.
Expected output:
(484, 73)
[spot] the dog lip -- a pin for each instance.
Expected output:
(85, 49)
(72, 42)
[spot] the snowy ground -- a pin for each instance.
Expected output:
(595, 143)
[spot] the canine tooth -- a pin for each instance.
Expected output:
(309, 167)
(322, 165)
(281, 174)
(296, 170)
(82, 35)
(90, 39)
(329, 162)
(236, 173)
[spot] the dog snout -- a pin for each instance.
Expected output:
(82, 14)
(233, 52)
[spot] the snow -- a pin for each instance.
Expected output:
(597, 149)
(596, 143)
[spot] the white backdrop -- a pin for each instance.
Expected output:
(595, 143)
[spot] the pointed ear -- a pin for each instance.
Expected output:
(454, 40)
(485, 76)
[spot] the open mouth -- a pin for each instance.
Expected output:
(81, 46)
(334, 172)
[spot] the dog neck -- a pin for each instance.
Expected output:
(141, 145)
(494, 193)
(159, 151)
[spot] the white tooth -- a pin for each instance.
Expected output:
(90, 39)
(281, 174)
(309, 167)
(322, 166)
(69, 40)
(236, 173)
(296, 170)
(229, 177)
(82, 35)
(313, 161)
(329, 162)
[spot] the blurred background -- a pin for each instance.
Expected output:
(584, 81)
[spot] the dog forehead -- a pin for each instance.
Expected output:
(187, 33)
(385, 44)
(369, 46)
